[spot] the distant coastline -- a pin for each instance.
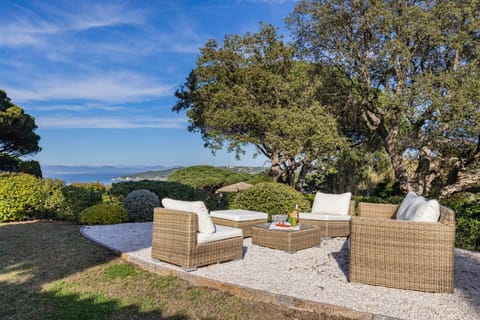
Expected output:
(103, 174)
(110, 174)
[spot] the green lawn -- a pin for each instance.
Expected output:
(49, 271)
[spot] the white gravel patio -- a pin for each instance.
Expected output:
(319, 274)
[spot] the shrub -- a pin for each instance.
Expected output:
(208, 178)
(22, 197)
(467, 215)
(8, 163)
(162, 189)
(140, 204)
(54, 206)
(104, 213)
(270, 197)
(31, 167)
(78, 197)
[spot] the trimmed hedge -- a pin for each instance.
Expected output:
(272, 198)
(104, 213)
(162, 189)
(79, 196)
(22, 197)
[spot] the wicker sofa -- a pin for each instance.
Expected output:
(331, 228)
(402, 254)
(174, 240)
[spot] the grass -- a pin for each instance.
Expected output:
(49, 271)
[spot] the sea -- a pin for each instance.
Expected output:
(105, 174)
(85, 177)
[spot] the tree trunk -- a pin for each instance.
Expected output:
(276, 169)
(463, 182)
(400, 172)
(426, 171)
(302, 176)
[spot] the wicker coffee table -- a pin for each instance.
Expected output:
(288, 240)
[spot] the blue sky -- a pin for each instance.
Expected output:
(99, 76)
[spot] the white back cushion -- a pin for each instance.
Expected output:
(427, 212)
(409, 198)
(412, 207)
(326, 203)
(205, 224)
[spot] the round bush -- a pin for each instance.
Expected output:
(140, 204)
(103, 213)
(272, 198)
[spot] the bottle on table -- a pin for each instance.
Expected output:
(295, 215)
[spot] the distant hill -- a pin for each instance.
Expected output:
(60, 169)
(159, 175)
(162, 175)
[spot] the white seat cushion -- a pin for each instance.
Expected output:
(427, 212)
(205, 224)
(324, 217)
(239, 215)
(402, 208)
(326, 203)
(221, 233)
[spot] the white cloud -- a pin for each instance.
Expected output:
(112, 88)
(26, 27)
(129, 122)
(77, 107)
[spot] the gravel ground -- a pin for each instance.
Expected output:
(318, 274)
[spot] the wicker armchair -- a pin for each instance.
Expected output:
(402, 254)
(174, 240)
(332, 228)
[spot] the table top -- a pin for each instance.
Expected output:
(303, 226)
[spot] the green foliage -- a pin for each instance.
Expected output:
(8, 163)
(270, 197)
(54, 206)
(413, 81)
(21, 197)
(162, 189)
(140, 204)
(31, 167)
(79, 196)
(252, 90)
(17, 129)
(467, 214)
(208, 178)
(103, 213)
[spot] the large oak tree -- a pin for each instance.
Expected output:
(414, 77)
(251, 90)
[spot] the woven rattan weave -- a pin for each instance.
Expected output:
(333, 228)
(402, 254)
(308, 236)
(174, 240)
(246, 226)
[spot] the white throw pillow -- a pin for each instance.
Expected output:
(427, 212)
(205, 224)
(412, 208)
(326, 203)
(409, 198)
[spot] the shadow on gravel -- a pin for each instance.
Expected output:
(342, 258)
(467, 276)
